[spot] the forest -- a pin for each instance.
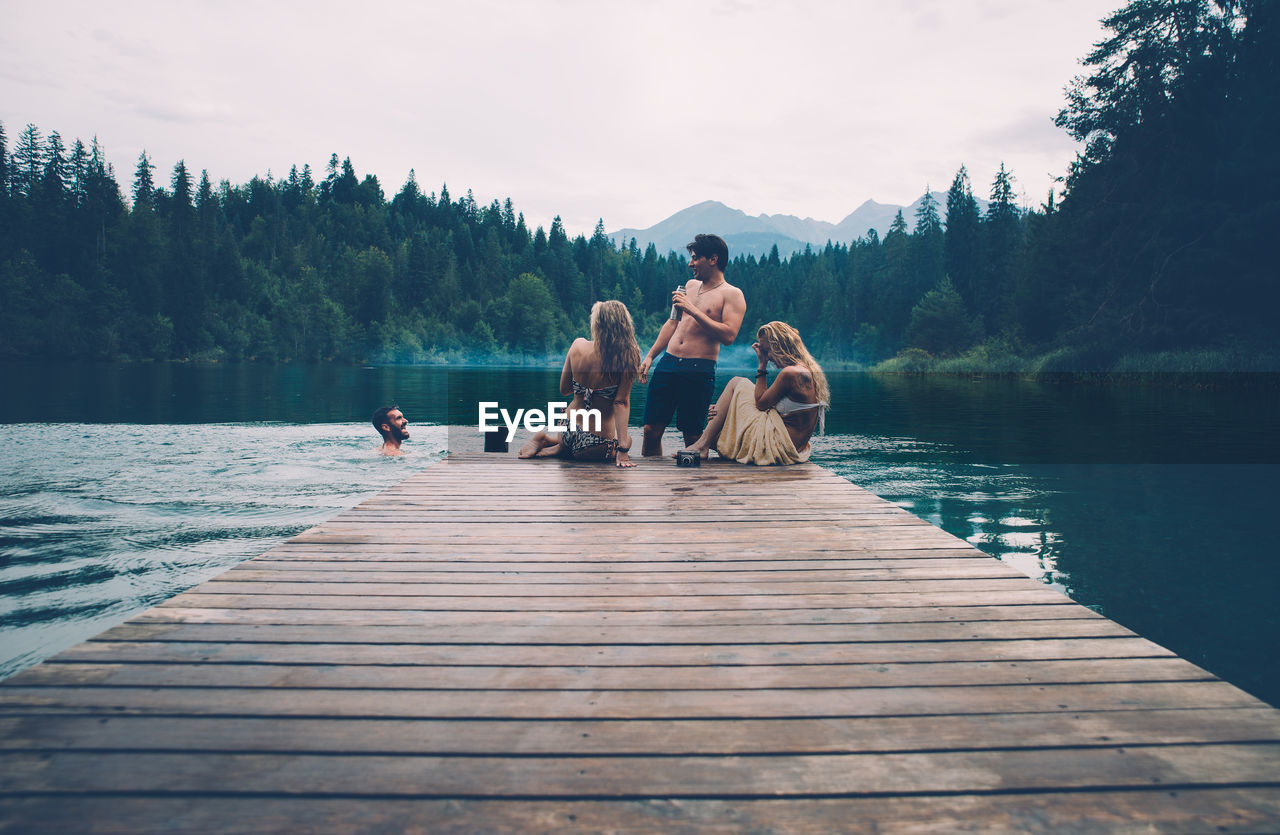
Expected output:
(1154, 252)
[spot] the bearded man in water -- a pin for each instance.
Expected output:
(393, 426)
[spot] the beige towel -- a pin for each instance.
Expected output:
(751, 436)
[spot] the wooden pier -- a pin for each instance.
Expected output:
(496, 645)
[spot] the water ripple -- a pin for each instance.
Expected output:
(99, 521)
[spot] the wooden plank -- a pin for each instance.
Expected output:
(776, 634)
(623, 704)
(643, 776)
(671, 736)
(325, 568)
(185, 610)
(693, 531)
(162, 650)
(584, 677)
(1181, 810)
(619, 552)
(567, 574)
(518, 587)
(1034, 594)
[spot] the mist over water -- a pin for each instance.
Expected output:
(1150, 505)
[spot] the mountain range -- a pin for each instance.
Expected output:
(748, 235)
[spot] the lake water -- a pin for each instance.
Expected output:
(125, 484)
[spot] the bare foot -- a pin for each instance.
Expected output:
(533, 449)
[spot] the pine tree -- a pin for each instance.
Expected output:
(78, 164)
(1002, 205)
(56, 177)
(962, 245)
(143, 184)
(408, 200)
(181, 185)
(28, 162)
(1002, 241)
(596, 280)
(927, 246)
(927, 220)
(509, 217)
(181, 208)
(898, 227)
(895, 292)
(4, 164)
(103, 204)
(206, 204)
(293, 188)
(346, 183)
(940, 324)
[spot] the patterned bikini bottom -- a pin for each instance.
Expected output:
(575, 442)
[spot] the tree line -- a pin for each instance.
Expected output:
(1157, 240)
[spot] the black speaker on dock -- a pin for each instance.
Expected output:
(495, 440)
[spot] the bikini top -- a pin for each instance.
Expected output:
(787, 406)
(608, 392)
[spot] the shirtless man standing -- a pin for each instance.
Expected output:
(707, 313)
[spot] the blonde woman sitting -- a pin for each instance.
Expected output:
(769, 423)
(598, 373)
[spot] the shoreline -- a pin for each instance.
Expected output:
(1125, 374)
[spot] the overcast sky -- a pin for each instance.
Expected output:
(626, 111)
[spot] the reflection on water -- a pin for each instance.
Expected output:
(1151, 505)
(99, 521)
(999, 508)
(1181, 553)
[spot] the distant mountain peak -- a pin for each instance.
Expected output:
(747, 235)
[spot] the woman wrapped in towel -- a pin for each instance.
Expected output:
(769, 423)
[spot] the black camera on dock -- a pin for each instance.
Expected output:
(687, 458)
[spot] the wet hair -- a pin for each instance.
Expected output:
(614, 336)
(380, 417)
(787, 348)
(705, 246)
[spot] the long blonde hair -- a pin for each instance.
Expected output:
(787, 348)
(614, 336)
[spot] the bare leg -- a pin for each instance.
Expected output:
(652, 443)
(541, 445)
(711, 434)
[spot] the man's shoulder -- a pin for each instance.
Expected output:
(734, 296)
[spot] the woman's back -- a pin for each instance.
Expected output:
(587, 377)
(799, 407)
